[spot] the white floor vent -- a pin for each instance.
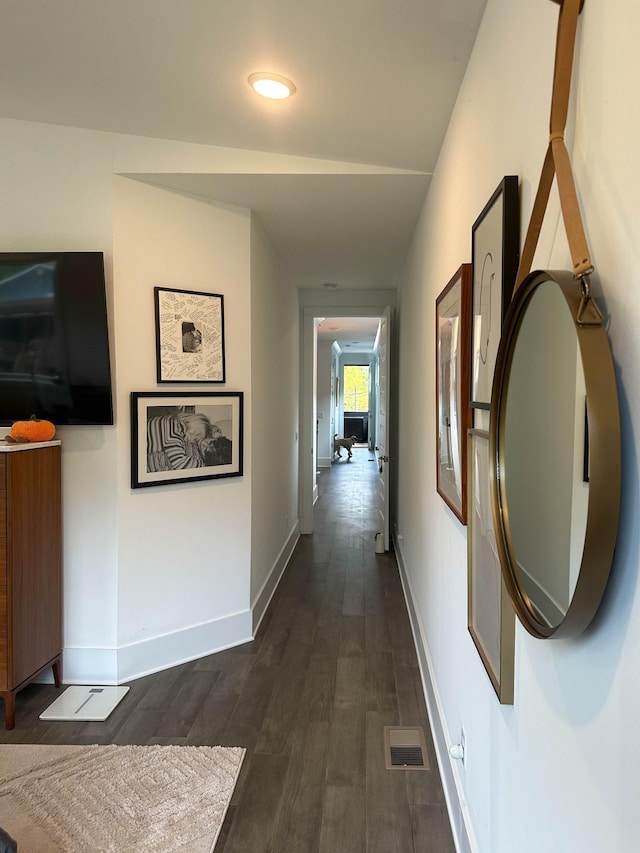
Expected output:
(405, 748)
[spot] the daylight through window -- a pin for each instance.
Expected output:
(356, 388)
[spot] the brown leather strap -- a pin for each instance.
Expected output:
(556, 161)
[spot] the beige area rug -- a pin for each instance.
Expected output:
(112, 799)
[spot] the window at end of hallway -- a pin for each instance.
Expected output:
(356, 388)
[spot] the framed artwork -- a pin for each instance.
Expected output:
(495, 251)
(189, 336)
(453, 331)
(178, 438)
(491, 618)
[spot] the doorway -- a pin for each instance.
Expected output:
(310, 424)
(356, 402)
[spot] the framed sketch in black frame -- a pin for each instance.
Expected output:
(491, 617)
(189, 336)
(495, 251)
(453, 329)
(181, 437)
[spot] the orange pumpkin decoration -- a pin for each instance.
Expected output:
(31, 430)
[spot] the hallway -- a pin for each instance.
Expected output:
(333, 662)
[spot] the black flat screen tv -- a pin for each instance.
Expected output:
(54, 342)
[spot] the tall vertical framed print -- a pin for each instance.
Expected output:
(453, 328)
(495, 251)
(491, 617)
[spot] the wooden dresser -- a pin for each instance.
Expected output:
(30, 566)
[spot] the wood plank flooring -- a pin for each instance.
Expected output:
(332, 663)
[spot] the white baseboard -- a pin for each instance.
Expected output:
(118, 665)
(262, 599)
(463, 835)
(86, 666)
(549, 610)
(324, 461)
(176, 647)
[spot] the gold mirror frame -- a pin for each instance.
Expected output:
(604, 455)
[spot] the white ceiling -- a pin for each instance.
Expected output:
(353, 334)
(376, 82)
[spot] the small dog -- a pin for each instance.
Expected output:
(347, 443)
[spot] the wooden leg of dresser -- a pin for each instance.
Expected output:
(55, 666)
(9, 708)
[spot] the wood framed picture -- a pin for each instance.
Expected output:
(491, 618)
(177, 438)
(189, 336)
(453, 332)
(495, 251)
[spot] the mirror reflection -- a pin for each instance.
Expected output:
(545, 461)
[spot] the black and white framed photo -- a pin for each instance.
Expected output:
(189, 336)
(178, 438)
(495, 251)
(491, 617)
(453, 332)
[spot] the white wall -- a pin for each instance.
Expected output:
(183, 550)
(559, 770)
(275, 429)
(56, 194)
(155, 576)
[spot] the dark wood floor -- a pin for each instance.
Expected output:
(333, 662)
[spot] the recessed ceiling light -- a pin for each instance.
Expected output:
(272, 86)
(330, 285)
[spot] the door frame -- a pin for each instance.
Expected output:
(373, 305)
(383, 454)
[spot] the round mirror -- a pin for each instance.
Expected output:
(555, 447)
